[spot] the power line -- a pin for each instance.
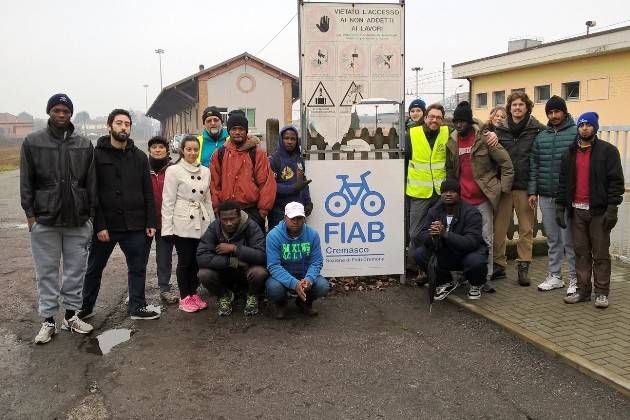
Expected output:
(274, 37)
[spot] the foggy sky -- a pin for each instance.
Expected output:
(101, 52)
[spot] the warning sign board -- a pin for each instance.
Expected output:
(353, 95)
(320, 97)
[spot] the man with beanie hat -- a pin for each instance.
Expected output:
(453, 230)
(59, 201)
(417, 109)
(591, 187)
(288, 167)
(483, 171)
(240, 171)
(516, 136)
(544, 170)
(212, 136)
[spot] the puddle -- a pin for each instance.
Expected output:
(103, 343)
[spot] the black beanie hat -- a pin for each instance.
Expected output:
(556, 102)
(59, 98)
(158, 139)
(450, 184)
(211, 111)
(463, 112)
(418, 103)
(237, 119)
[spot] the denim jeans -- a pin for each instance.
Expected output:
(487, 230)
(132, 244)
(559, 240)
(277, 293)
(163, 260)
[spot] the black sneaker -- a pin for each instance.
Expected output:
(144, 313)
(85, 313)
(443, 290)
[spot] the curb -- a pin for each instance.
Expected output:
(585, 366)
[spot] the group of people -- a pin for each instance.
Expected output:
(464, 186)
(213, 205)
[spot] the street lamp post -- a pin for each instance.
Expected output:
(417, 69)
(146, 97)
(159, 52)
(457, 94)
(376, 119)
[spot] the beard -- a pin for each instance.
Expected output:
(214, 131)
(121, 137)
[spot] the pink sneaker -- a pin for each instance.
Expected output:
(188, 304)
(201, 304)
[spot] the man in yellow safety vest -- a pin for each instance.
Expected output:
(426, 155)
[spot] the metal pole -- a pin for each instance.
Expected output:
(376, 119)
(443, 83)
(146, 98)
(159, 52)
(417, 69)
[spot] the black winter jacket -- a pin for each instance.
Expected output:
(606, 182)
(125, 191)
(519, 148)
(464, 235)
(57, 178)
(248, 238)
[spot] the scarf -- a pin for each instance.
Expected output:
(158, 164)
(517, 128)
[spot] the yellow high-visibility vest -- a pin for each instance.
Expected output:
(427, 168)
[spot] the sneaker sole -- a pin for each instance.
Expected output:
(47, 341)
(542, 289)
(190, 311)
(225, 313)
(144, 318)
(74, 330)
(250, 313)
(474, 297)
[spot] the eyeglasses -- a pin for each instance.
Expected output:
(435, 117)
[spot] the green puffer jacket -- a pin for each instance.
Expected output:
(546, 156)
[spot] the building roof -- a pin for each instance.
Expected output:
(182, 94)
(597, 43)
(6, 118)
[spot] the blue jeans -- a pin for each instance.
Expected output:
(277, 293)
(133, 245)
(163, 260)
(559, 240)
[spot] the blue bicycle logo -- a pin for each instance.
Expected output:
(338, 203)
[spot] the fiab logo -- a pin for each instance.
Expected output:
(350, 194)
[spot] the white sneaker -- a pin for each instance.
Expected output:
(551, 282)
(572, 285)
(46, 333)
(75, 324)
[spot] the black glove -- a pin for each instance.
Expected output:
(169, 239)
(308, 208)
(560, 217)
(610, 217)
(301, 183)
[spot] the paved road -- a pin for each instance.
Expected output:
(378, 354)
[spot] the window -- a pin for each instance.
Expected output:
(250, 114)
(498, 97)
(518, 90)
(542, 93)
(571, 91)
(482, 100)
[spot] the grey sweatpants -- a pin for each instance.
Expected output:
(50, 246)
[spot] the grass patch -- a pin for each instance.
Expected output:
(9, 158)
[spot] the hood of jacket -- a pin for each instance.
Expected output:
(239, 230)
(281, 149)
(105, 142)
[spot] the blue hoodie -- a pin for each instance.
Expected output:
(288, 168)
(290, 260)
(208, 145)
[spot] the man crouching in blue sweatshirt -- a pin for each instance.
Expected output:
(294, 260)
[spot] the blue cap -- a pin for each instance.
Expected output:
(418, 103)
(589, 118)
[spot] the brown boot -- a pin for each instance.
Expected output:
(281, 310)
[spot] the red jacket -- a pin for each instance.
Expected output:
(236, 178)
(157, 179)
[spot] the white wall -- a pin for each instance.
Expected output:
(267, 96)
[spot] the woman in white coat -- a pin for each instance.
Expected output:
(186, 214)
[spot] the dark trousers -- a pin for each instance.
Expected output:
(591, 242)
(163, 260)
(252, 212)
(218, 282)
(133, 245)
(474, 265)
(187, 268)
(275, 216)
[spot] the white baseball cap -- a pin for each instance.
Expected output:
(294, 209)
